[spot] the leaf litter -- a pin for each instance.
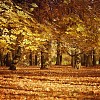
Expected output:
(55, 83)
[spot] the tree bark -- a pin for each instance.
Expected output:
(8, 59)
(94, 58)
(15, 59)
(35, 60)
(73, 61)
(42, 61)
(89, 60)
(73, 54)
(76, 59)
(59, 58)
(83, 60)
(30, 59)
(99, 60)
(0, 59)
(45, 56)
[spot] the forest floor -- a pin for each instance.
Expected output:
(55, 83)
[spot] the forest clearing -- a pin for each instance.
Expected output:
(54, 83)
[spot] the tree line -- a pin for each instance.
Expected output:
(42, 27)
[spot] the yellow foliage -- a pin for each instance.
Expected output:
(3, 43)
(13, 37)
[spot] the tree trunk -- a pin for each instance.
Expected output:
(8, 59)
(42, 61)
(73, 61)
(45, 56)
(94, 58)
(83, 59)
(30, 59)
(58, 59)
(76, 59)
(15, 59)
(0, 59)
(89, 60)
(73, 53)
(99, 60)
(35, 60)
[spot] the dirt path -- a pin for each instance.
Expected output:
(55, 83)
